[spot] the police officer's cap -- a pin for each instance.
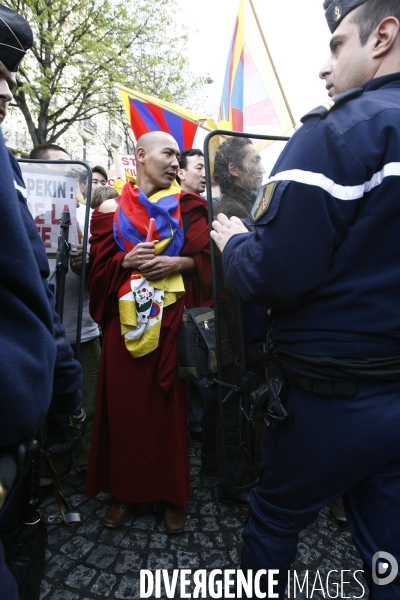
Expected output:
(16, 38)
(336, 10)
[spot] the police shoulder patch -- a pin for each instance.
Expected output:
(326, 107)
(319, 111)
(263, 201)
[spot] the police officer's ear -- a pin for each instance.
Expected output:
(233, 170)
(385, 37)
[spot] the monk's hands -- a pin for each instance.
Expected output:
(139, 255)
(142, 257)
(160, 266)
(225, 228)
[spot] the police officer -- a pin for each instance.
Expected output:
(325, 255)
(27, 346)
(37, 368)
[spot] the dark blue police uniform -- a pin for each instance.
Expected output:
(27, 347)
(325, 255)
(39, 372)
(37, 368)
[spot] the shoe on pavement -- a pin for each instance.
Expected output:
(117, 514)
(174, 518)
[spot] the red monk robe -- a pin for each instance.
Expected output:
(198, 285)
(139, 446)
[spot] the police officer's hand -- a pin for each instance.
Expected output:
(225, 228)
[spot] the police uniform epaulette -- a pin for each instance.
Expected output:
(327, 106)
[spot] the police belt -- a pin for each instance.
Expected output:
(347, 373)
(324, 387)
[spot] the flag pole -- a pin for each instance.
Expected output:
(272, 64)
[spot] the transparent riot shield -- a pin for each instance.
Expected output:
(237, 167)
(55, 202)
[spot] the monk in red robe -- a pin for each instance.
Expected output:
(139, 447)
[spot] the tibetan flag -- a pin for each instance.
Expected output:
(141, 302)
(252, 97)
(148, 113)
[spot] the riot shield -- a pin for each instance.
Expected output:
(62, 220)
(237, 167)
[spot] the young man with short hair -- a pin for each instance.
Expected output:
(99, 178)
(191, 172)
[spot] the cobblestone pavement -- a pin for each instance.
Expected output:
(95, 562)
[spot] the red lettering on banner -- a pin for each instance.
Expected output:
(54, 220)
(39, 208)
(44, 233)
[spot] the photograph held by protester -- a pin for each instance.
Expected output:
(325, 256)
(42, 373)
(239, 172)
(139, 448)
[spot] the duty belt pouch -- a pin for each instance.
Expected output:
(197, 344)
(268, 401)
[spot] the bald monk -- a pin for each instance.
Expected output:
(139, 451)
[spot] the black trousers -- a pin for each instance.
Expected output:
(24, 549)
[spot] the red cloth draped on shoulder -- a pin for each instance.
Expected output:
(198, 285)
(139, 446)
(105, 275)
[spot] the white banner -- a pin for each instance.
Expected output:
(124, 163)
(48, 196)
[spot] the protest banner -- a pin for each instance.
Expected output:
(48, 195)
(124, 163)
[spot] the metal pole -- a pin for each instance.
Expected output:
(62, 263)
(83, 271)
(272, 64)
